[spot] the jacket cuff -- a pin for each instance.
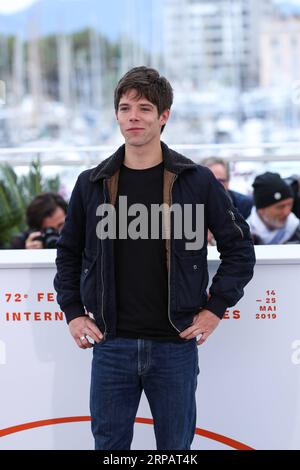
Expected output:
(216, 305)
(73, 311)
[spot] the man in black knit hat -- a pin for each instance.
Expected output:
(271, 220)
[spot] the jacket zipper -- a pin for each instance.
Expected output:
(102, 276)
(234, 222)
(169, 270)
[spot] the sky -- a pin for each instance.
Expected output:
(12, 6)
(293, 2)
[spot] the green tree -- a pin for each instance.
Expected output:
(15, 195)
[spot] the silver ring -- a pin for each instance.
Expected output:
(82, 337)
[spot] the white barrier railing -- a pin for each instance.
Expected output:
(72, 156)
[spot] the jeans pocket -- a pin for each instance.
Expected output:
(101, 342)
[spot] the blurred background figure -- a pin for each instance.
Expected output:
(220, 169)
(45, 217)
(294, 182)
(272, 220)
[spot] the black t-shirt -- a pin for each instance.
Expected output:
(140, 264)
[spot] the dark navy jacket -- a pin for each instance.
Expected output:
(242, 202)
(85, 279)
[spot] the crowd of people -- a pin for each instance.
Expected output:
(272, 211)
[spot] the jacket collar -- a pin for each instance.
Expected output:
(173, 162)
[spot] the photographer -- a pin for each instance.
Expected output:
(45, 217)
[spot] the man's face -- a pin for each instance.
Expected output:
(220, 173)
(139, 120)
(275, 216)
(55, 220)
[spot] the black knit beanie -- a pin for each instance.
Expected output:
(270, 188)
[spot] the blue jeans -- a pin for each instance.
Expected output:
(167, 372)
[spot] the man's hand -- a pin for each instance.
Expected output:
(205, 322)
(82, 326)
(33, 244)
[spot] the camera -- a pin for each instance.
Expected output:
(48, 237)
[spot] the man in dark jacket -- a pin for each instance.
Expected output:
(45, 217)
(220, 169)
(137, 285)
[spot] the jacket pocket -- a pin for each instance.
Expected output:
(191, 281)
(88, 282)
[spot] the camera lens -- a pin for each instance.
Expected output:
(50, 237)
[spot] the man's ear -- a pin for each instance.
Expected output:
(164, 117)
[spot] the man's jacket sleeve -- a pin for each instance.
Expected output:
(69, 256)
(235, 246)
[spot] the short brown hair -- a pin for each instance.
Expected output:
(42, 206)
(148, 83)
